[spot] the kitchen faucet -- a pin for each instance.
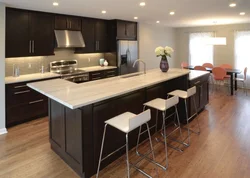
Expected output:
(139, 60)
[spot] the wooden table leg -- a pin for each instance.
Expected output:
(232, 84)
(236, 87)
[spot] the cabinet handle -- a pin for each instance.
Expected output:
(37, 101)
(109, 72)
(96, 46)
(21, 92)
(70, 24)
(20, 86)
(201, 90)
(95, 74)
(110, 75)
(96, 78)
(30, 47)
(33, 46)
(197, 82)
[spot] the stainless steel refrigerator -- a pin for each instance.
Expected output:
(127, 54)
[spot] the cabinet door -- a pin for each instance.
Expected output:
(131, 30)
(121, 29)
(88, 32)
(101, 34)
(17, 33)
(204, 94)
(42, 34)
(74, 23)
(61, 23)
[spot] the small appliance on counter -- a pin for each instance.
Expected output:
(16, 70)
(105, 63)
(101, 62)
(68, 71)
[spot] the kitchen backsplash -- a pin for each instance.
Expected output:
(29, 65)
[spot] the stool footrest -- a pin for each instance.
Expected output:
(198, 133)
(141, 171)
(113, 152)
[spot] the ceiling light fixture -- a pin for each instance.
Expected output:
(157, 21)
(55, 4)
(242, 13)
(233, 4)
(104, 12)
(135, 18)
(142, 4)
(172, 13)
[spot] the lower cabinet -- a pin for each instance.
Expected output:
(202, 94)
(24, 104)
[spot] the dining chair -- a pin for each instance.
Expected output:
(184, 64)
(219, 74)
(226, 66)
(208, 65)
(200, 68)
(243, 80)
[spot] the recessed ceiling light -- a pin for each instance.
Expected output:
(232, 4)
(135, 18)
(242, 13)
(55, 4)
(172, 13)
(142, 4)
(104, 12)
(158, 21)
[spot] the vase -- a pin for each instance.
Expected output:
(164, 66)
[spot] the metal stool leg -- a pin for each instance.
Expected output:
(127, 160)
(187, 121)
(138, 140)
(165, 139)
(100, 158)
(196, 116)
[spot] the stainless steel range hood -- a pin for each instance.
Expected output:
(69, 39)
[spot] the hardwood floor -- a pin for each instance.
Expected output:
(221, 150)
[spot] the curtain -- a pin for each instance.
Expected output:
(199, 51)
(242, 51)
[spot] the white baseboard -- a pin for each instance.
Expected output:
(3, 131)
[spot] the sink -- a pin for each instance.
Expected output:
(131, 75)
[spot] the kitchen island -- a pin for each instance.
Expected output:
(77, 113)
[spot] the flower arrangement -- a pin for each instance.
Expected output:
(167, 51)
(164, 52)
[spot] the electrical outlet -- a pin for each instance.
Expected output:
(29, 65)
(89, 59)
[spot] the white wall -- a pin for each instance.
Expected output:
(2, 68)
(222, 54)
(152, 36)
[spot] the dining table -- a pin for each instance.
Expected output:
(232, 72)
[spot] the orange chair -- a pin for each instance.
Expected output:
(226, 66)
(219, 74)
(200, 68)
(184, 65)
(208, 65)
(243, 80)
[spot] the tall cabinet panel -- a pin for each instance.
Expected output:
(101, 35)
(42, 33)
(17, 33)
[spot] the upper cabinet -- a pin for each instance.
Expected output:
(67, 23)
(29, 33)
(126, 30)
(95, 35)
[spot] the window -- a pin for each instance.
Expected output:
(199, 51)
(242, 47)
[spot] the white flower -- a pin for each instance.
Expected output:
(169, 50)
(159, 51)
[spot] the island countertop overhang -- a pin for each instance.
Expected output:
(75, 96)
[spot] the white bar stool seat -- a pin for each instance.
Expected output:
(126, 123)
(162, 105)
(185, 95)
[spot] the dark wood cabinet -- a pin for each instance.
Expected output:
(24, 104)
(67, 23)
(29, 33)
(126, 30)
(101, 36)
(202, 94)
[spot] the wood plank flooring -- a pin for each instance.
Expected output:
(222, 150)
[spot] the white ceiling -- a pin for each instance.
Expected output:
(188, 12)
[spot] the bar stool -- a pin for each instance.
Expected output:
(126, 123)
(185, 95)
(162, 105)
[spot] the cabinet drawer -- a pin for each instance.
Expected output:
(96, 75)
(25, 112)
(110, 73)
(199, 80)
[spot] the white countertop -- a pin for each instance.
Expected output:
(194, 74)
(77, 95)
(48, 75)
(30, 77)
